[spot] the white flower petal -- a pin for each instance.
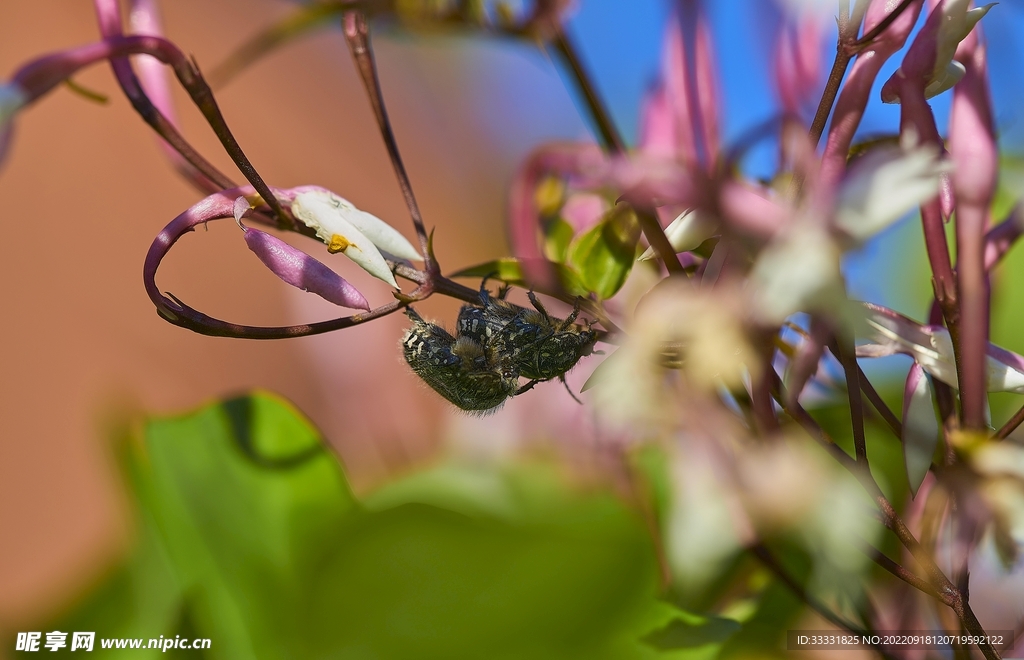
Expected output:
(932, 348)
(885, 185)
(686, 232)
(318, 212)
(945, 79)
(383, 235)
(1003, 377)
(957, 24)
(797, 272)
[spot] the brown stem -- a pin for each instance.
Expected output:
(765, 556)
(606, 130)
(828, 96)
(946, 591)
(357, 33)
(1011, 424)
(848, 359)
(882, 25)
(655, 235)
(888, 416)
(847, 33)
(204, 174)
(898, 570)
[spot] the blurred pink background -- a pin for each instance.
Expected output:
(86, 189)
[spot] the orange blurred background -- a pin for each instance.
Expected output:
(86, 189)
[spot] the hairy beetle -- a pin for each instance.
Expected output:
(472, 375)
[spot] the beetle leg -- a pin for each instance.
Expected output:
(569, 389)
(536, 303)
(526, 388)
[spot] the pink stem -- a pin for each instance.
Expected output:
(973, 147)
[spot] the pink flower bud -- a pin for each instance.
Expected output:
(303, 271)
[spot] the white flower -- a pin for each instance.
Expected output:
(957, 23)
(798, 271)
(687, 231)
(357, 234)
(932, 348)
(885, 185)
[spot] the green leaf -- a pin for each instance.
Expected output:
(557, 235)
(250, 536)
(510, 271)
(688, 634)
(248, 502)
(604, 254)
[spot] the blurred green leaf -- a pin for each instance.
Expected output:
(605, 254)
(763, 632)
(693, 632)
(557, 235)
(250, 536)
(510, 271)
(1011, 185)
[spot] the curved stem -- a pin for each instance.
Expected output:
(847, 355)
(883, 24)
(1011, 425)
(199, 171)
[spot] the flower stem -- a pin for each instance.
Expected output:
(765, 556)
(946, 591)
(357, 33)
(612, 142)
(610, 137)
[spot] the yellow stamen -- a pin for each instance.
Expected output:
(337, 244)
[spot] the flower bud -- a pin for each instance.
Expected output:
(301, 270)
(930, 57)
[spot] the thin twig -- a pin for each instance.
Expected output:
(828, 96)
(886, 413)
(765, 556)
(209, 178)
(882, 25)
(1011, 425)
(606, 130)
(848, 359)
(946, 591)
(896, 569)
(357, 33)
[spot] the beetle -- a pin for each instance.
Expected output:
(541, 346)
(472, 375)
